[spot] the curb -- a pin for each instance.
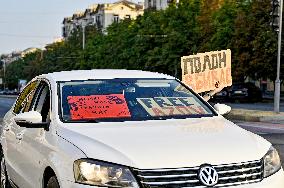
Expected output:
(9, 96)
(255, 116)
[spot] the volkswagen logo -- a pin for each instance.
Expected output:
(208, 175)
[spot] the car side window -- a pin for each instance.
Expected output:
(42, 103)
(28, 101)
(24, 100)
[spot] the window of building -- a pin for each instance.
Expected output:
(98, 20)
(154, 4)
(149, 3)
(64, 32)
(115, 18)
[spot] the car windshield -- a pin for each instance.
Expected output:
(129, 100)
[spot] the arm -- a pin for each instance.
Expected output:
(210, 94)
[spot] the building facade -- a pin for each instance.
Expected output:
(16, 55)
(28, 51)
(11, 57)
(157, 4)
(102, 15)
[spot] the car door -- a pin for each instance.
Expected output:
(10, 130)
(32, 141)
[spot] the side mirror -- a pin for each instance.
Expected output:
(222, 109)
(31, 119)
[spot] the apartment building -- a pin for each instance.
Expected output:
(102, 15)
(157, 4)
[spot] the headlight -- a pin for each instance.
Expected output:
(103, 174)
(272, 162)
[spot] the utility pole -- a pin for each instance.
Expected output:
(277, 81)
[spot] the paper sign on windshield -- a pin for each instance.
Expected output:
(171, 106)
(98, 106)
(203, 70)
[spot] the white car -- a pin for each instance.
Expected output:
(127, 129)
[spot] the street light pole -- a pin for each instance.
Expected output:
(4, 74)
(84, 35)
(84, 24)
(277, 81)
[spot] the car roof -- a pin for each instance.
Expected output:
(101, 74)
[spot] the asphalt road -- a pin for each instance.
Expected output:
(5, 105)
(272, 132)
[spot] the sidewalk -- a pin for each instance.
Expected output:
(259, 112)
(256, 116)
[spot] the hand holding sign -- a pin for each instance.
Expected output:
(218, 87)
(213, 92)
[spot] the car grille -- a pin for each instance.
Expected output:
(229, 175)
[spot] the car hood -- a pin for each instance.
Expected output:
(166, 143)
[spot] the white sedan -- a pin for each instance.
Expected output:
(127, 129)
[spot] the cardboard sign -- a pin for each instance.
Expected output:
(171, 106)
(98, 106)
(203, 70)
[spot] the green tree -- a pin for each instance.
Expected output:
(253, 42)
(157, 40)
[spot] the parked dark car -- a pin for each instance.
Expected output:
(245, 92)
(222, 96)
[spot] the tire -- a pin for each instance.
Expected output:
(4, 181)
(52, 183)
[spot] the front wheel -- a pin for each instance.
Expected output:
(52, 183)
(4, 182)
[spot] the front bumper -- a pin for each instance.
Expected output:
(274, 181)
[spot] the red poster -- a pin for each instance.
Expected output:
(98, 106)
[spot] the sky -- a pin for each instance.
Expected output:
(34, 23)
